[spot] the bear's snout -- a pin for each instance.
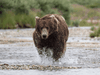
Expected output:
(44, 36)
(44, 33)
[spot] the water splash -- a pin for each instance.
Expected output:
(45, 58)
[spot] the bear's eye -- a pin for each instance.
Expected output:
(41, 28)
(47, 28)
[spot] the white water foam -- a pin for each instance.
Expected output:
(46, 58)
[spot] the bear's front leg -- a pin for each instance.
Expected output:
(58, 51)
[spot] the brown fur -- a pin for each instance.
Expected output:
(56, 34)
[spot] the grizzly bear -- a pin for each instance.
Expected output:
(51, 32)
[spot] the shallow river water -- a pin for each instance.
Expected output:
(82, 53)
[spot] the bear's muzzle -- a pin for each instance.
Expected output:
(44, 33)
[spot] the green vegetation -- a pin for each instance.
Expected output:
(87, 3)
(93, 28)
(85, 23)
(9, 20)
(96, 33)
(83, 13)
(76, 23)
(92, 35)
(23, 12)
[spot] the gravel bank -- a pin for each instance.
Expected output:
(33, 67)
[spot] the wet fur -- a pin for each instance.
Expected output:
(57, 37)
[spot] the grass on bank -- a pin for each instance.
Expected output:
(24, 7)
(95, 33)
(9, 20)
(87, 3)
(81, 14)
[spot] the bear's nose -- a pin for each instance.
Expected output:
(44, 36)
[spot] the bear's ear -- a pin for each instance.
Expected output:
(37, 19)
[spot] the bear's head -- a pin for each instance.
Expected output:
(46, 26)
